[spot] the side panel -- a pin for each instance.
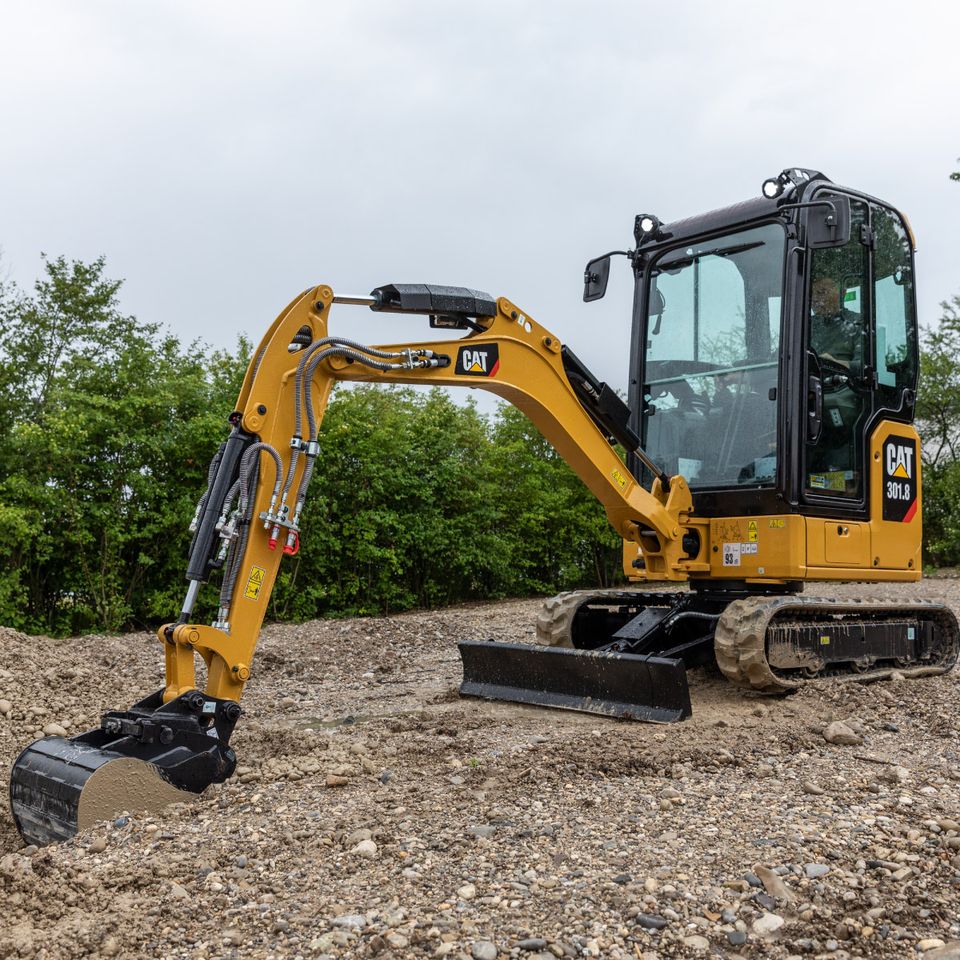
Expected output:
(889, 546)
(757, 548)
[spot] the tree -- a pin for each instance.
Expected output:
(107, 430)
(108, 426)
(938, 421)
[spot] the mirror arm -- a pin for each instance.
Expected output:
(812, 203)
(589, 277)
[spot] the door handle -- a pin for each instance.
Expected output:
(814, 408)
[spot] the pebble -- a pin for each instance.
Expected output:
(650, 921)
(772, 883)
(366, 849)
(467, 892)
(6, 707)
(336, 781)
(482, 830)
(696, 942)
(349, 921)
(532, 943)
(483, 950)
(737, 938)
(810, 787)
(816, 870)
(930, 944)
(54, 730)
(839, 733)
(97, 846)
(949, 951)
(767, 924)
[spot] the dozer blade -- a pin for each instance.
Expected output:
(139, 760)
(621, 685)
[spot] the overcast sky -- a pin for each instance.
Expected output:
(223, 156)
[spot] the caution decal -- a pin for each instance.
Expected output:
(899, 479)
(482, 361)
(254, 583)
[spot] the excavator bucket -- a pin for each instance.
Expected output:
(610, 684)
(139, 760)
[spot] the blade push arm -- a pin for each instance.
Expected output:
(250, 515)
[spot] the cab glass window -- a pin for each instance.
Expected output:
(712, 339)
(894, 307)
(837, 358)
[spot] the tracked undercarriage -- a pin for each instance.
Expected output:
(768, 643)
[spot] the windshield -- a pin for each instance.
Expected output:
(713, 336)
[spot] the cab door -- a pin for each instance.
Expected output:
(861, 368)
(838, 364)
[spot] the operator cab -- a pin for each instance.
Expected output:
(769, 339)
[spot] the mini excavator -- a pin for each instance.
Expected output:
(768, 440)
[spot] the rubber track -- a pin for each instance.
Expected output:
(740, 639)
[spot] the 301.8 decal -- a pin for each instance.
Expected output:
(899, 479)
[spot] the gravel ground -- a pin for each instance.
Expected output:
(376, 814)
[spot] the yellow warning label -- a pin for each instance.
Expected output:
(254, 583)
(752, 532)
(824, 641)
(778, 523)
(620, 479)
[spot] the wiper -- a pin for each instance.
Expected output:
(674, 266)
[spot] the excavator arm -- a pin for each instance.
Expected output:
(250, 516)
(275, 442)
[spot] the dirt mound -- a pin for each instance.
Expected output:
(375, 813)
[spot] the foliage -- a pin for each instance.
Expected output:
(106, 431)
(938, 417)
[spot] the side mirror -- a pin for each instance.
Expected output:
(828, 222)
(595, 278)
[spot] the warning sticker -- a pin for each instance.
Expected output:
(752, 533)
(731, 554)
(777, 523)
(254, 583)
(618, 477)
(746, 548)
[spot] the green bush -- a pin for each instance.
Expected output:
(106, 431)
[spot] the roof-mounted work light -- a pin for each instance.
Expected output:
(646, 227)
